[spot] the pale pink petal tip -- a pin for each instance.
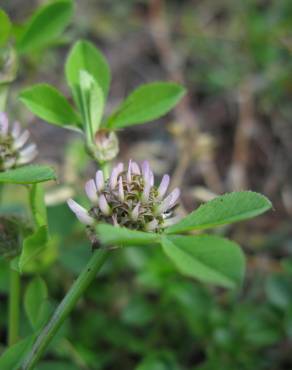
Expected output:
(129, 172)
(168, 202)
(21, 140)
(91, 191)
(135, 168)
(175, 194)
(99, 179)
(27, 154)
(171, 221)
(115, 174)
(151, 225)
(4, 123)
(135, 212)
(80, 212)
(162, 189)
(16, 130)
(121, 190)
(103, 205)
(145, 168)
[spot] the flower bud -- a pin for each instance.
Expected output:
(8, 65)
(106, 146)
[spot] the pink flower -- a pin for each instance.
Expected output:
(13, 152)
(129, 198)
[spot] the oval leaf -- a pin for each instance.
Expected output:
(46, 25)
(91, 102)
(35, 299)
(50, 105)
(5, 27)
(32, 246)
(210, 259)
(148, 102)
(85, 56)
(12, 358)
(28, 175)
(121, 236)
(225, 209)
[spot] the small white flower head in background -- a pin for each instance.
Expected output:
(14, 150)
(129, 198)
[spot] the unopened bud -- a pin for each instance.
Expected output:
(106, 146)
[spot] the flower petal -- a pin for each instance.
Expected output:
(168, 202)
(171, 221)
(99, 179)
(135, 212)
(4, 123)
(121, 190)
(21, 140)
(27, 154)
(129, 172)
(162, 189)
(80, 212)
(15, 132)
(152, 225)
(103, 205)
(91, 191)
(115, 174)
(135, 168)
(145, 168)
(175, 194)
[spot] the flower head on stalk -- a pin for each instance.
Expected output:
(13, 151)
(129, 198)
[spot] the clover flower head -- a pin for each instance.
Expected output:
(13, 151)
(129, 198)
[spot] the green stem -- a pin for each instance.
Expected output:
(14, 302)
(1, 191)
(3, 97)
(65, 307)
(105, 169)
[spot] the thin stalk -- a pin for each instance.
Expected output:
(13, 311)
(105, 169)
(65, 307)
(3, 97)
(1, 192)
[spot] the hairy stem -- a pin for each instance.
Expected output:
(13, 312)
(65, 307)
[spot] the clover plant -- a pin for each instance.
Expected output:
(128, 207)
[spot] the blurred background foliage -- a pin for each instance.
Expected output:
(233, 131)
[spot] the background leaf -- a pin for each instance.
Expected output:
(146, 103)
(50, 105)
(210, 259)
(5, 27)
(112, 235)
(85, 56)
(45, 25)
(225, 209)
(35, 301)
(28, 175)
